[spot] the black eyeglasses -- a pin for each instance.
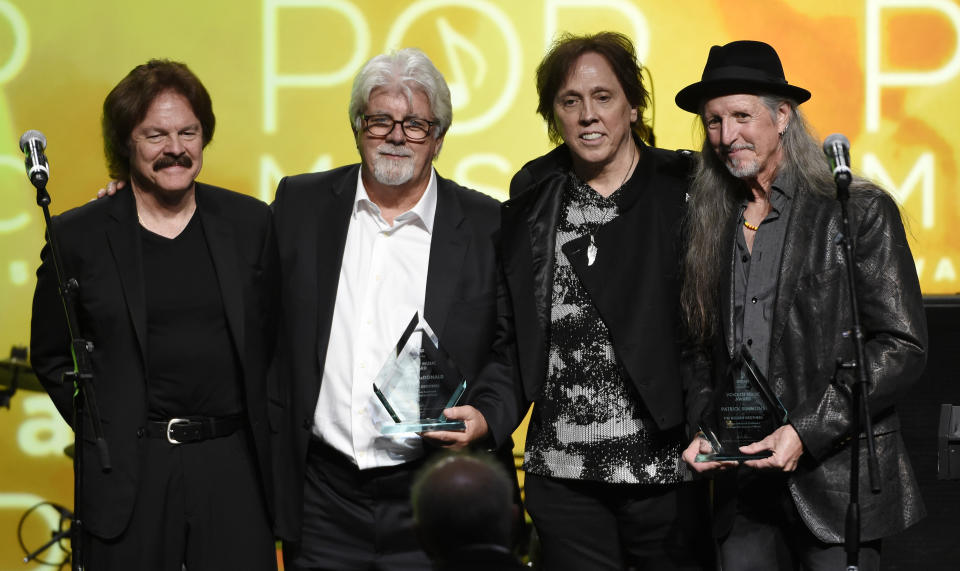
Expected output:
(382, 125)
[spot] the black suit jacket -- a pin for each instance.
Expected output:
(100, 246)
(312, 214)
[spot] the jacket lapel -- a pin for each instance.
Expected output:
(226, 263)
(448, 247)
(332, 220)
(796, 245)
(123, 236)
(528, 244)
(542, 218)
(726, 286)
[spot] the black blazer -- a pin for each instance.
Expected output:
(100, 246)
(311, 214)
(633, 282)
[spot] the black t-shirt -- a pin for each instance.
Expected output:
(191, 362)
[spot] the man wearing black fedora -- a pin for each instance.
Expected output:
(764, 271)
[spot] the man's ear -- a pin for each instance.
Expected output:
(783, 117)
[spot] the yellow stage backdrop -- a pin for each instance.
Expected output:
(884, 72)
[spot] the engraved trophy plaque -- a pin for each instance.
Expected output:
(744, 410)
(417, 381)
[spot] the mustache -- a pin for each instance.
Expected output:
(388, 149)
(740, 147)
(179, 161)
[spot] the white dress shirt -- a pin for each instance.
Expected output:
(383, 282)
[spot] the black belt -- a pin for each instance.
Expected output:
(193, 429)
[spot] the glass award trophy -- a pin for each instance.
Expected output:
(744, 410)
(417, 381)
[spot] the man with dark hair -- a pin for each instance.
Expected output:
(126, 106)
(176, 296)
(590, 243)
(363, 247)
(464, 511)
(765, 270)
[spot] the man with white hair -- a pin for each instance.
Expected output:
(363, 247)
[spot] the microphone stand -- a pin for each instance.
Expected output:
(862, 420)
(82, 379)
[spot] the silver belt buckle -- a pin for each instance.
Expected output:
(170, 424)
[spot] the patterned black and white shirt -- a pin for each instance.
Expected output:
(590, 423)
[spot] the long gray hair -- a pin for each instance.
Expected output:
(714, 197)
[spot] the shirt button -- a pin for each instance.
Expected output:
(754, 300)
(744, 258)
(749, 342)
(307, 423)
(140, 433)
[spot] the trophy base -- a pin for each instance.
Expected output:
(426, 425)
(733, 457)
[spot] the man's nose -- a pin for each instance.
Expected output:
(174, 146)
(396, 135)
(588, 112)
(728, 132)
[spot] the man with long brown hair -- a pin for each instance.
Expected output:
(590, 242)
(764, 270)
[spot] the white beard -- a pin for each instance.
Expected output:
(392, 172)
(742, 168)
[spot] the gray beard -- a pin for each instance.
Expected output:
(743, 169)
(391, 172)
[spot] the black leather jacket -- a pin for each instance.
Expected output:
(633, 283)
(811, 315)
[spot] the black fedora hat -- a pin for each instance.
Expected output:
(743, 66)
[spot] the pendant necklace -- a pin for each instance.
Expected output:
(592, 247)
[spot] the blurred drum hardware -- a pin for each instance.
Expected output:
(15, 373)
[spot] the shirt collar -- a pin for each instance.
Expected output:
(423, 212)
(785, 183)
(783, 188)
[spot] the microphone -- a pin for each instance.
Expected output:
(837, 149)
(32, 143)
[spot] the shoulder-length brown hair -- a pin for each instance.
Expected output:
(619, 52)
(127, 104)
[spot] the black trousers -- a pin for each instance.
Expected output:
(355, 519)
(198, 504)
(597, 526)
(766, 532)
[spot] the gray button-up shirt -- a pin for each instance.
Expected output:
(755, 273)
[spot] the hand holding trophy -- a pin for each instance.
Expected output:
(744, 410)
(417, 382)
